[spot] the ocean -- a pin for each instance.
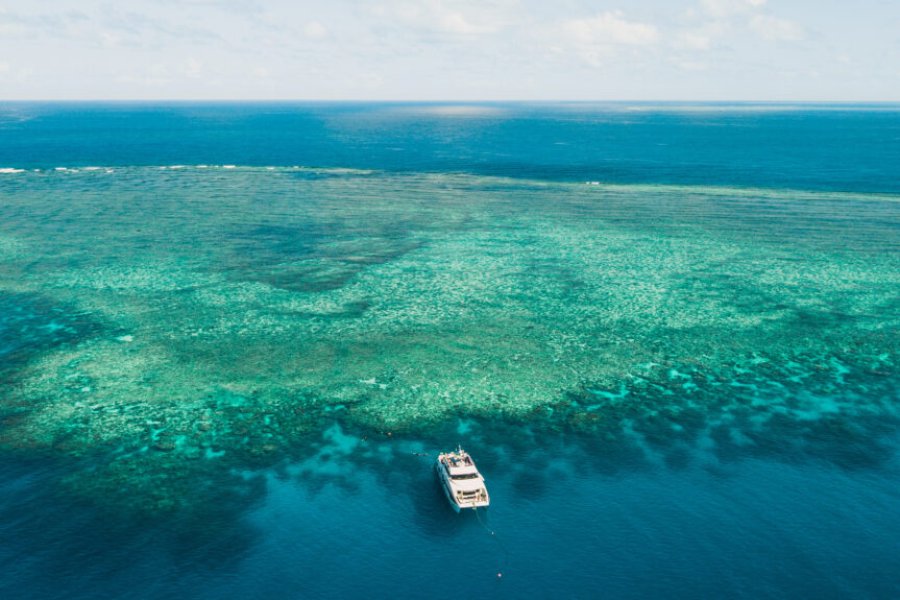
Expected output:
(234, 337)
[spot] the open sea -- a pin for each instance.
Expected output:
(234, 337)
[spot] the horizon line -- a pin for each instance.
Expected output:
(448, 101)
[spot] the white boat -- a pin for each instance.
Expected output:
(462, 483)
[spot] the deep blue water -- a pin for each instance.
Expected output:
(831, 147)
(767, 526)
(755, 529)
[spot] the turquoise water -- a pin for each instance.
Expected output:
(232, 335)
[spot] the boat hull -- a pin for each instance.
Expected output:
(448, 493)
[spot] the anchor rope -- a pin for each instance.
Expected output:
(505, 551)
(505, 559)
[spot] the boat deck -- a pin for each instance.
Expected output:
(454, 460)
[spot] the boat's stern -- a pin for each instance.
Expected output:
(477, 498)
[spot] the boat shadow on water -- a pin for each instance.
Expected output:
(434, 516)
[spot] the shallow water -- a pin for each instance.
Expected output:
(217, 378)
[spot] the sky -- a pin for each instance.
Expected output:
(727, 50)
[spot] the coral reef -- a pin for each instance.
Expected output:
(170, 323)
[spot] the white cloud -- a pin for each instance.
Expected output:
(728, 8)
(721, 21)
(155, 76)
(12, 29)
(455, 18)
(193, 68)
(690, 65)
(599, 38)
(315, 31)
(455, 22)
(776, 29)
(109, 39)
(693, 40)
(440, 49)
(610, 29)
(14, 73)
